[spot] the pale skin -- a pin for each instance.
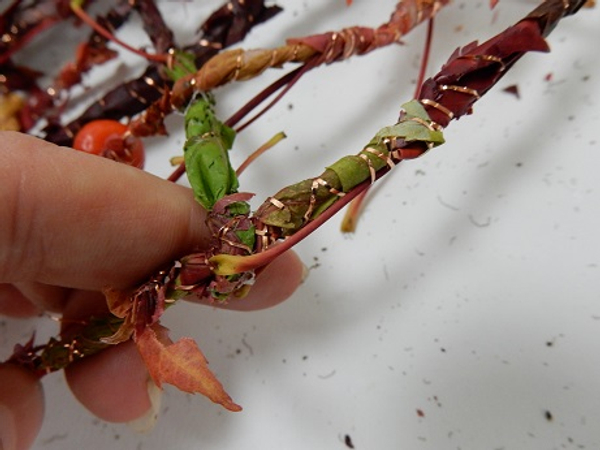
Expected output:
(73, 224)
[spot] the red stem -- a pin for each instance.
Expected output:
(351, 217)
(287, 80)
(425, 58)
(263, 258)
(108, 35)
(297, 74)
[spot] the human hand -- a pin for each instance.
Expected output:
(73, 224)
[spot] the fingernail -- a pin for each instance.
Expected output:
(305, 272)
(8, 435)
(146, 422)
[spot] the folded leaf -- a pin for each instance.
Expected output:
(206, 153)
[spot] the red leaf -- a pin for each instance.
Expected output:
(181, 364)
(120, 305)
(118, 301)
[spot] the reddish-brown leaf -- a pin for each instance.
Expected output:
(181, 364)
(120, 305)
(118, 301)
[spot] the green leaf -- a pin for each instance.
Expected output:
(183, 65)
(238, 209)
(414, 108)
(413, 130)
(206, 156)
(200, 117)
(351, 170)
(209, 170)
(247, 237)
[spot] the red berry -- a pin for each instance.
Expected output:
(106, 138)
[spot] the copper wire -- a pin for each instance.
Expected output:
(489, 58)
(313, 198)
(170, 62)
(188, 287)
(137, 96)
(389, 162)
(461, 89)
(295, 52)
(238, 67)
(265, 235)
(431, 125)
(276, 203)
(436, 105)
(273, 58)
(385, 158)
(372, 171)
(325, 184)
(349, 44)
(316, 183)
(149, 81)
(230, 226)
(330, 52)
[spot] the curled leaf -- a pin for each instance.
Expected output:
(181, 364)
(118, 301)
(120, 305)
(206, 155)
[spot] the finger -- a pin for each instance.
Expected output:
(21, 408)
(80, 221)
(45, 297)
(112, 384)
(276, 283)
(14, 304)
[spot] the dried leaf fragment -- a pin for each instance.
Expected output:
(181, 364)
(513, 89)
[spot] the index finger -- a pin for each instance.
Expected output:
(80, 221)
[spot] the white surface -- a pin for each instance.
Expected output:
(468, 302)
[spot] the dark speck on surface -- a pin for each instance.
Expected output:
(513, 90)
(348, 441)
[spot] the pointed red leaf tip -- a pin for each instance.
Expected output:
(348, 2)
(181, 364)
(493, 3)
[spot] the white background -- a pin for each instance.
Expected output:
(466, 307)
